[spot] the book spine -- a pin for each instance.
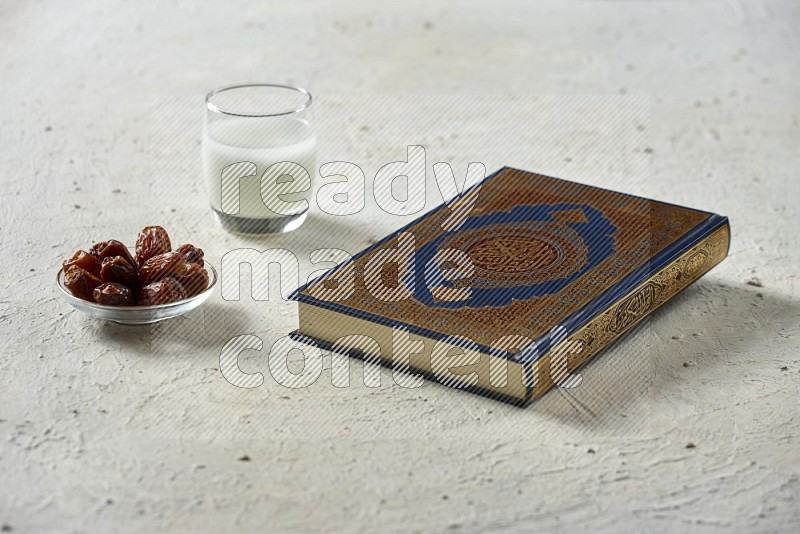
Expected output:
(628, 311)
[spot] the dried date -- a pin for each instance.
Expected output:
(81, 282)
(164, 291)
(95, 249)
(152, 241)
(113, 294)
(118, 270)
(85, 261)
(159, 266)
(192, 253)
(192, 277)
(111, 248)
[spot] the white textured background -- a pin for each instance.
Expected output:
(105, 428)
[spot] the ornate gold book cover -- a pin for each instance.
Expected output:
(508, 288)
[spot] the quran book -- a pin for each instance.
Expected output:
(510, 287)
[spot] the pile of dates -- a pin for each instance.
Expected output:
(108, 274)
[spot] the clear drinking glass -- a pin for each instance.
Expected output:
(259, 153)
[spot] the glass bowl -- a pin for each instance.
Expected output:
(138, 314)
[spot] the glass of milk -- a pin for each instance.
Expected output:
(259, 153)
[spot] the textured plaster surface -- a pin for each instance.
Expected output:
(689, 424)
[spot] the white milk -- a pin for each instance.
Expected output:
(263, 141)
